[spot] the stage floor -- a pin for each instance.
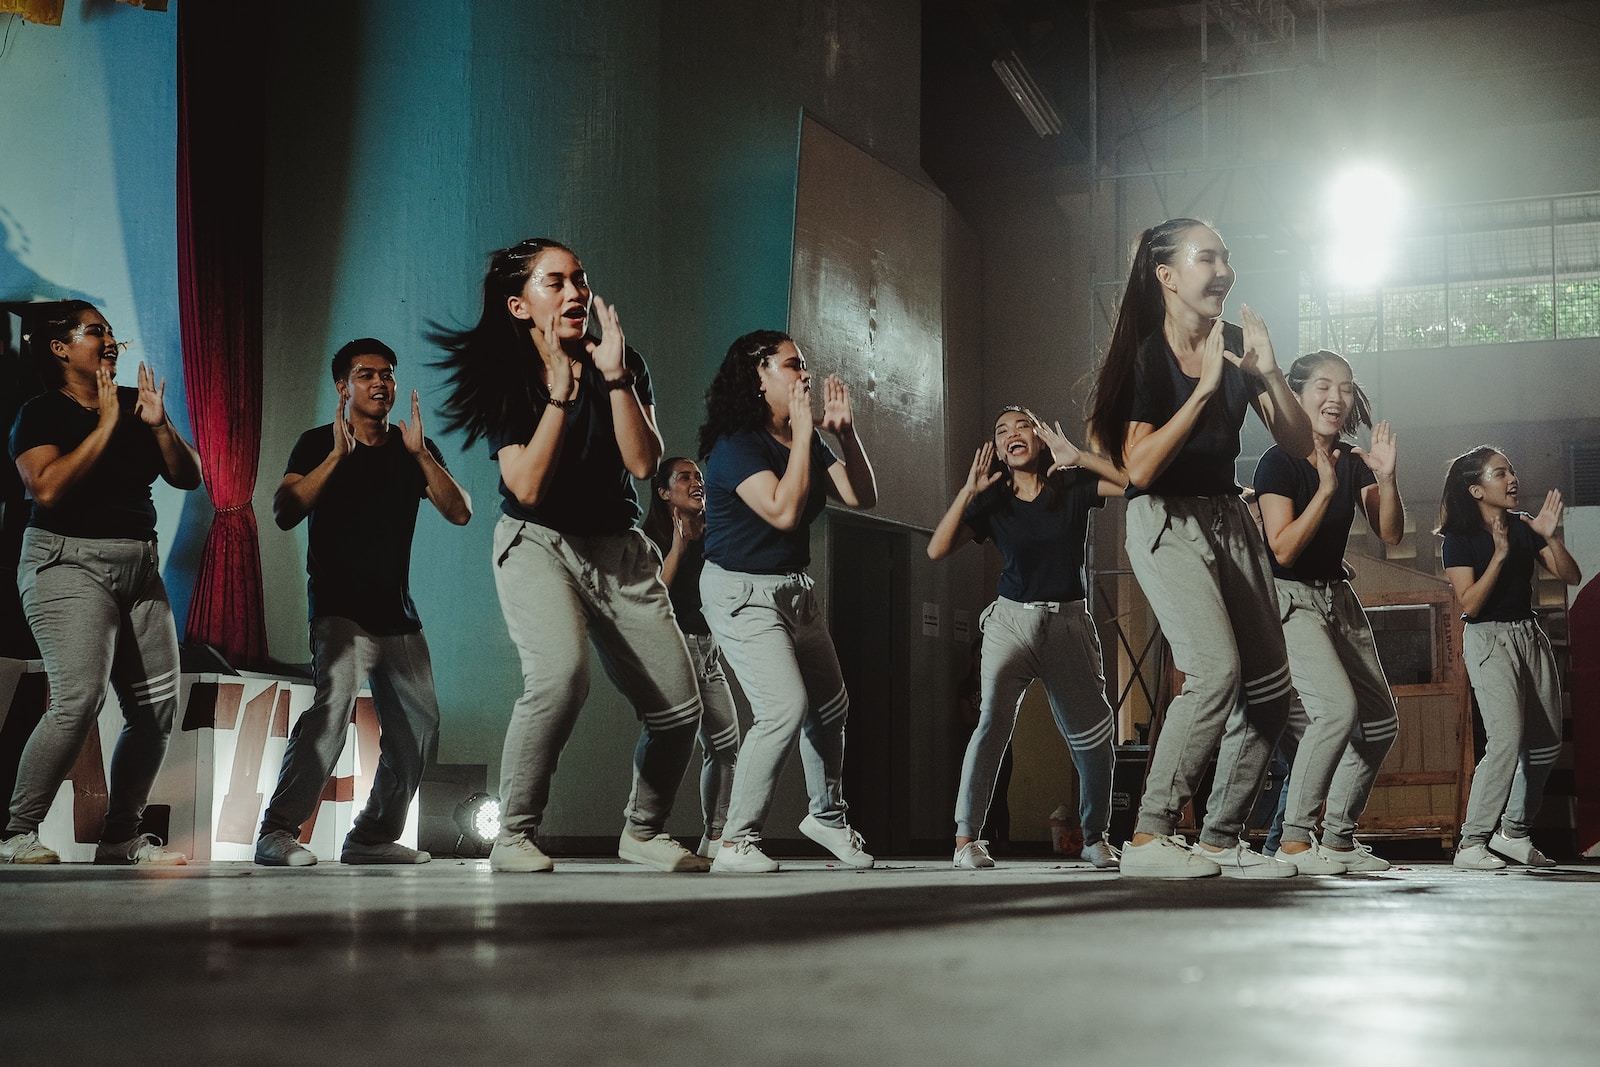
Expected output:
(912, 963)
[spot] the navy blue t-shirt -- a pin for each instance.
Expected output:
(737, 539)
(1281, 474)
(112, 500)
(358, 551)
(1204, 465)
(1041, 540)
(591, 491)
(1511, 599)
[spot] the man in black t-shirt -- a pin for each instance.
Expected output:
(359, 480)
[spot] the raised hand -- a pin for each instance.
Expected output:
(1380, 457)
(982, 475)
(105, 384)
(1062, 451)
(1327, 472)
(1502, 542)
(1212, 357)
(837, 417)
(1257, 359)
(607, 353)
(152, 405)
(563, 377)
(688, 526)
(344, 438)
(1549, 518)
(411, 433)
(801, 420)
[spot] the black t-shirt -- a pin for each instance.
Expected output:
(1041, 540)
(685, 590)
(590, 491)
(1281, 474)
(1511, 599)
(113, 498)
(738, 539)
(1204, 465)
(358, 553)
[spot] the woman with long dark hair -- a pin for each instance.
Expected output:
(88, 452)
(768, 476)
(1490, 552)
(1168, 406)
(571, 422)
(1307, 504)
(1031, 490)
(676, 522)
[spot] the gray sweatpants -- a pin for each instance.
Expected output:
(1204, 570)
(719, 732)
(99, 611)
(1513, 674)
(774, 637)
(1350, 712)
(343, 657)
(1057, 644)
(558, 593)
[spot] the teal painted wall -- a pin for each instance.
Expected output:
(88, 203)
(409, 139)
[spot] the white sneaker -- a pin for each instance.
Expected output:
(1356, 860)
(973, 856)
(1165, 857)
(1520, 849)
(1313, 860)
(142, 851)
(1477, 858)
(1241, 861)
(661, 852)
(840, 840)
(708, 847)
(26, 848)
(517, 854)
(742, 857)
(1102, 853)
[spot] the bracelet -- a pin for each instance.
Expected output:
(624, 382)
(564, 405)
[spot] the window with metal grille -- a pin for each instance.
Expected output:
(1473, 274)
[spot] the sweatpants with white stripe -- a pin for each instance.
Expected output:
(719, 731)
(559, 593)
(1513, 674)
(1203, 567)
(1350, 714)
(1057, 644)
(773, 635)
(99, 612)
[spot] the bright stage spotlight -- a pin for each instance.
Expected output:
(478, 819)
(1363, 207)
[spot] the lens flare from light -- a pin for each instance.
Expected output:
(1364, 206)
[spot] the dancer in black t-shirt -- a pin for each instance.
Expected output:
(1031, 490)
(90, 581)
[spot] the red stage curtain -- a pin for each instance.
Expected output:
(221, 167)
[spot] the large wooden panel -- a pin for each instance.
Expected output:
(866, 302)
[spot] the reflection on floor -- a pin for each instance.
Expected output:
(912, 963)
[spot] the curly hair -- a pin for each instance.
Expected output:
(1140, 315)
(1300, 371)
(734, 401)
(1458, 508)
(493, 366)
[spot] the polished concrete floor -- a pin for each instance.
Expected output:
(912, 963)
